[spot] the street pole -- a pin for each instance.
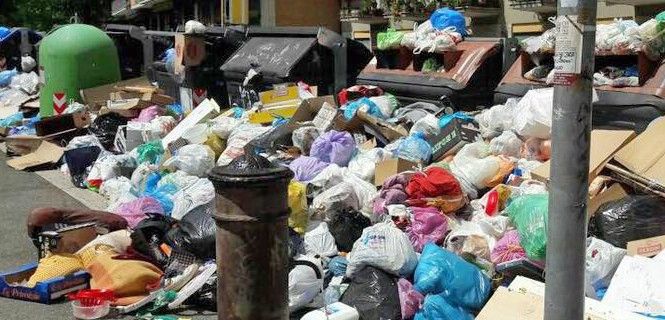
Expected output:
(571, 131)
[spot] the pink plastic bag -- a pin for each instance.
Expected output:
(149, 113)
(410, 300)
(507, 248)
(427, 225)
(136, 210)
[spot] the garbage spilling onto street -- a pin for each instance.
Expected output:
(395, 210)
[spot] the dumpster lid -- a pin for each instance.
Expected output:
(273, 56)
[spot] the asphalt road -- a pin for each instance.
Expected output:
(20, 192)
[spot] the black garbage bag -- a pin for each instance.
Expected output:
(373, 293)
(206, 297)
(149, 235)
(296, 243)
(347, 227)
(630, 218)
(106, 126)
(196, 233)
(79, 161)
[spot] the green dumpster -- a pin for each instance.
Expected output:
(71, 58)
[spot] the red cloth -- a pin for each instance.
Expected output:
(435, 182)
(358, 91)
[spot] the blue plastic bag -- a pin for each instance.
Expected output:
(337, 266)
(12, 120)
(415, 148)
(445, 17)
(6, 77)
(443, 121)
(163, 194)
(436, 307)
(353, 106)
(442, 272)
(4, 31)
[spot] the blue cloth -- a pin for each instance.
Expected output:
(445, 17)
(445, 120)
(353, 106)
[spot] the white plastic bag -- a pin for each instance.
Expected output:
(475, 164)
(364, 163)
(496, 119)
(507, 144)
(303, 138)
(117, 191)
(238, 139)
(194, 27)
(222, 126)
(602, 260)
(180, 179)
(385, 247)
(194, 159)
(533, 115)
(329, 177)
(427, 125)
(319, 241)
(330, 202)
(107, 166)
(202, 192)
(305, 284)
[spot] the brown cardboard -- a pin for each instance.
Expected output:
(646, 247)
(452, 138)
(614, 192)
(190, 51)
(645, 155)
(22, 145)
(60, 123)
(46, 153)
(309, 108)
(96, 97)
(387, 168)
(513, 305)
(604, 143)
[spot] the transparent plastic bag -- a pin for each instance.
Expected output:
(385, 247)
(415, 148)
(602, 260)
(202, 192)
(194, 159)
(507, 144)
(303, 138)
(428, 126)
(364, 163)
(496, 119)
(334, 147)
(529, 215)
(475, 164)
(223, 126)
(333, 200)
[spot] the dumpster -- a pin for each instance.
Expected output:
(71, 58)
(470, 73)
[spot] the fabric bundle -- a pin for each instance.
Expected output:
(438, 188)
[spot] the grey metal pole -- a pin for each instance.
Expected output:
(571, 131)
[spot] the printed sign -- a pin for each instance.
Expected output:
(568, 52)
(59, 102)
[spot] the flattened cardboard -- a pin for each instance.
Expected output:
(513, 305)
(387, 168)
(645, 155)
(614, 192)
(22, 145)
(604, 143)
(46, 153)
(648, 247)
(206, 110)
(190, 51)
(96, 97)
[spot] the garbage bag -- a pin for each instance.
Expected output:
(200, 193)
(306, 168)
(319, 241)
(107, 167)
(27, 82)
(508, 248)
(410, 300)
(137, 210)
(28, 63)
(180, 179)
(150, 113)
(298, 206)
(364, 163)
(330, 176)
(305, 281)
(223, 126)
(432, 183)
(105, 128)
(150, 152)
(533, 114)
(374, 294)
(206, 297)
(415, 148)
(383, 246)
(436, 306)
(393, 191)
(339, 197)
(346, 227)
(441, 272)
(194, 159)
(630, 218)
(238, 139)
(391, 39)
(303, 138)
(149, 234)
(334, 147)
(507, 144)
(536, 149)
(529, 215)
(79, 161)
(115, 188)
(365, 191)
(197, 230)
(474, 164)
(163, 193)
(428, 126)
(427, 225)
(602, 261)
(444, 18)
(469, 238)
(497, 119)
(337, 266)
(6, 77)
(140, 175)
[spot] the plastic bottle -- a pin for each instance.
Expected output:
(335, 311)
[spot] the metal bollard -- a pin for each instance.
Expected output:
(252, 240)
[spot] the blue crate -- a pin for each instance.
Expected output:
(45, 292)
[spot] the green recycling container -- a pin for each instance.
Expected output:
(71, 58)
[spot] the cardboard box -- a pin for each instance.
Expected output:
(452, 138)
(604, 143)
(309, 110)
(46, 153)
(46, 292)
(646, 247)
(645, 155)
(206, 110)
(96, 97)
(387, 168)
(614, 192)
(190, 51)
(60, 123)
(22, 145)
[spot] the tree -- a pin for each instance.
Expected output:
(44, 14)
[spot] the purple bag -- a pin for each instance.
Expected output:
(306, 168)
(393, 191)
(149, 113)
(334, 147)
(410, 300)
(136, 210)
(508, 248)
(427, 225)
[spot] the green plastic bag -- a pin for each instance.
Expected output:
(529, 215)
(150, 152)
(391, 39)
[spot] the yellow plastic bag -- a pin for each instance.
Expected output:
(298, 205)
(216, 144)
